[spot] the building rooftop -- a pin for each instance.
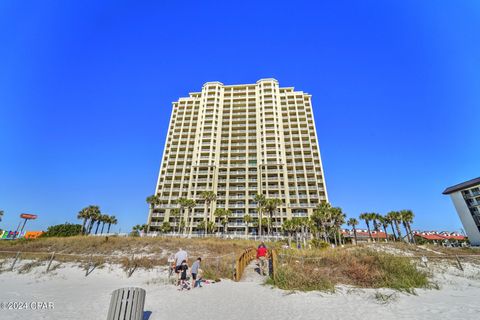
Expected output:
(463, 185)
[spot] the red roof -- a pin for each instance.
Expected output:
(454, 237)
(430, 236)
(440, 236)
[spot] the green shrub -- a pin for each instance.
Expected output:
(63, 230)
(319, 244)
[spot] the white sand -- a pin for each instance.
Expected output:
(78, 297)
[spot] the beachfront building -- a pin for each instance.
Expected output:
(466, 199)
(364, 236)
(239, 141)
(435, 237)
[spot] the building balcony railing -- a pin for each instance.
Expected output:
(237, 224)
(302, 205)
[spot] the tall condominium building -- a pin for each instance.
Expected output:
(466, 199)
(239, 141)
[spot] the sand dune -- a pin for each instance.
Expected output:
(78, 297)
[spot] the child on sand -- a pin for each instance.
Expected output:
(195, 268)
(199, 280)
(183, 282)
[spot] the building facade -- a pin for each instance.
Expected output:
(239, 141)
(466, 199)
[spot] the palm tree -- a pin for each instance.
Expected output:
(260, 224)
(338, 218)
(111, 220)
(375, 217)
(153, 200)
(407, 218)
(94, 214)
(98, 219)
(139, 227)
(211, 227)
(353, 223)
(271, 206)
(289, 226)
(247, 219)
(226, 214)
(385, 222)
(209, 197)
(367, 217)
(391, 218)
(321, 217)
(104, 219)
(397, 217)
(303, 225)
(82, 214)
(182, 202)
(298, 224)
(219, 213)
(208, 226)
(166, 227)
(175, 213)
(190, 204)
(261, 202)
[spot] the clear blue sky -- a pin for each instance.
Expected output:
(86, 90)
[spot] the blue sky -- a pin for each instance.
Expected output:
(86, 90)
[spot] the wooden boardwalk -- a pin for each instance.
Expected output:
(251, 273)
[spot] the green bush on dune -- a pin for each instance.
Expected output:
(63, 230)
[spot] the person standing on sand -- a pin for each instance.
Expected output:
(183, 282)
(179, 257)
(195, 268)
(262, 253)
(171, 265)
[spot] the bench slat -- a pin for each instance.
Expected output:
(127, 304)
(130, 302)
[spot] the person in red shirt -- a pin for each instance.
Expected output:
(262, 253)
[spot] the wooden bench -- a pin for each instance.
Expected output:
(127, 304)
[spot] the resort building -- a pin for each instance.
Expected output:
(239, 141)
(466, 199)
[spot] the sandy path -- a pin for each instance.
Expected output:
(251, 274)
(78, 297)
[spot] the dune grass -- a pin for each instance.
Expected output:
(127, 245)
(217, 255)
(359, 267)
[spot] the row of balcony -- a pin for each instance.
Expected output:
(238, 205)
(222, 187)
(252, 196)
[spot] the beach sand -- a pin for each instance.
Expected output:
(75, 296)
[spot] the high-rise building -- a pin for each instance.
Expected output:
(466, 199)
(239, 141)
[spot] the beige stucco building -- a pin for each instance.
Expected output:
(239, 141)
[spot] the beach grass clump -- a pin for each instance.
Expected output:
(28, 266)
(359, 267)
(216, 268)
(288, 278)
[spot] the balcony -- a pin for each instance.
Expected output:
(237, 224)
(302, 205)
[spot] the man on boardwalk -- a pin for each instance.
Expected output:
(262, 253)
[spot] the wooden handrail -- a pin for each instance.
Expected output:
(243, 261)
